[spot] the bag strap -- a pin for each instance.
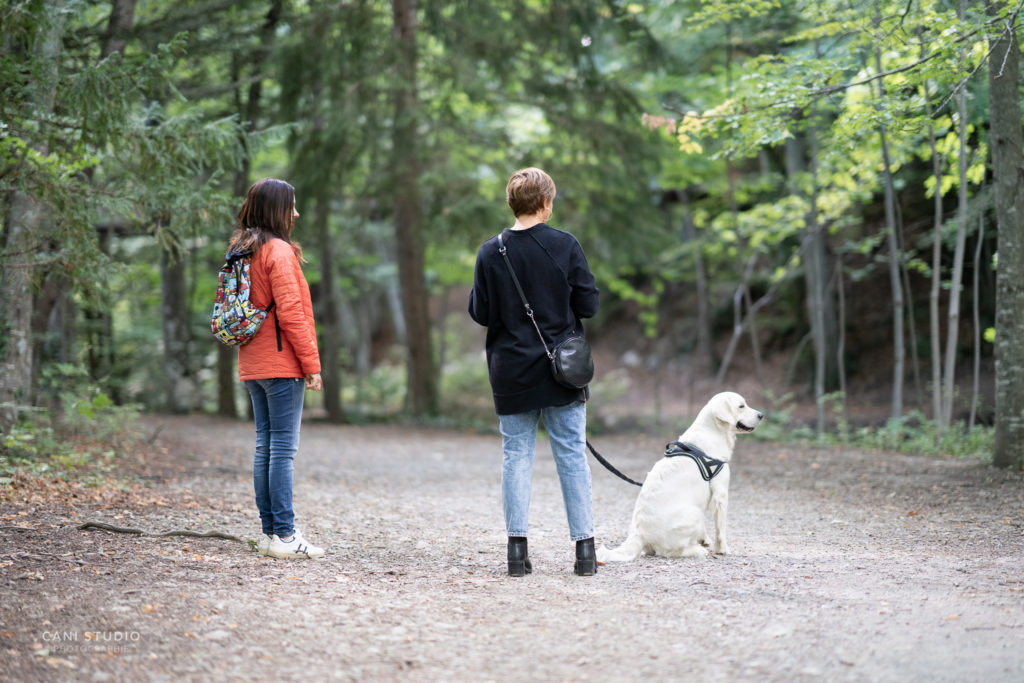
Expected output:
(235, 259)
(522, 295)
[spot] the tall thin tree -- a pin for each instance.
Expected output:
(1008, 178)
(422, 388)
(953, 321)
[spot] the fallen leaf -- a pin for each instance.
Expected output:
(57, 662)
(912, 513)
(146, 609)
(955, 617)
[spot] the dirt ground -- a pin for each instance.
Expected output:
(846, 566)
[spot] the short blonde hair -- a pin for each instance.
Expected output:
(528, 190)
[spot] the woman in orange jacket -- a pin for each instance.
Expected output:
(280, 362)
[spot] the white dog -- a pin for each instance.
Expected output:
(668, 519)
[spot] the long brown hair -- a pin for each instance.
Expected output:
(267, 212)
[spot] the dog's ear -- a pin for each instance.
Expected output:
(725, 410)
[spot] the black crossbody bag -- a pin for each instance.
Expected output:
(571, 363)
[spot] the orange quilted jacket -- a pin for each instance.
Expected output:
(276, 275)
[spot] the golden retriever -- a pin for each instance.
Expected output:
(668, 518)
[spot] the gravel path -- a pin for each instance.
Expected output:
(847, 566)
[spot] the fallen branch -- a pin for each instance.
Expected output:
(140, 532)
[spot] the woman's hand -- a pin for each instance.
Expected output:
(314, 383)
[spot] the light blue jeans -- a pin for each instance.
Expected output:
(567, 428)
(277, 408)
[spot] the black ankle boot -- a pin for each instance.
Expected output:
(586, 558)
(518, 558)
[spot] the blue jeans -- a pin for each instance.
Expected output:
(567, 427)
(277, 407)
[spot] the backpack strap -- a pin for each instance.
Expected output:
(277, 325)
(233, 259)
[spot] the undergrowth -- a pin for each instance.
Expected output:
(913, 434)
(79, 435)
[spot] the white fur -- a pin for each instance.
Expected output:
(668, 519)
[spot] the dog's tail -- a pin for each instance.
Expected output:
(627, 552)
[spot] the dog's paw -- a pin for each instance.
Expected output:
(721, 549)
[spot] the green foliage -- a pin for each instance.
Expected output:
(644, 113)
(377, 396)
(466, 389)
(82, 428)
(914, 434)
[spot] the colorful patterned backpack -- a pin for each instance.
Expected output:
(235, 319)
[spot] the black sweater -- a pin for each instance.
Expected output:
(558, 284)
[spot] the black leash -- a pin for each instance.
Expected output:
(709, 467)
(610, 468)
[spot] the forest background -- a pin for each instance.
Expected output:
(816, 203)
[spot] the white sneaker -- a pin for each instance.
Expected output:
(295, 549)
(263, 545)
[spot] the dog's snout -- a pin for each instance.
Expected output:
(760, 415)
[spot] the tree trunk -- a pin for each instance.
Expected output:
(1008, 175)
(22, 237)
(53, 329)
(740, 321)
(421, 386)
(816, 275)
(705, 349)
(953, 322)
(908, 298)
(99, 331)
(249, 111)
(330, 337)
(755, 344)
(119, 26)
(841, 331)
(814, 266)
(227, 356)
(895, 257)
(24, 217)
(976, 309)
(179, 390)
(227, 380)
(936, 288)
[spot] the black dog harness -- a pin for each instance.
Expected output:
(708, 466)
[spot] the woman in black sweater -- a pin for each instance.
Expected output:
(558, 284)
